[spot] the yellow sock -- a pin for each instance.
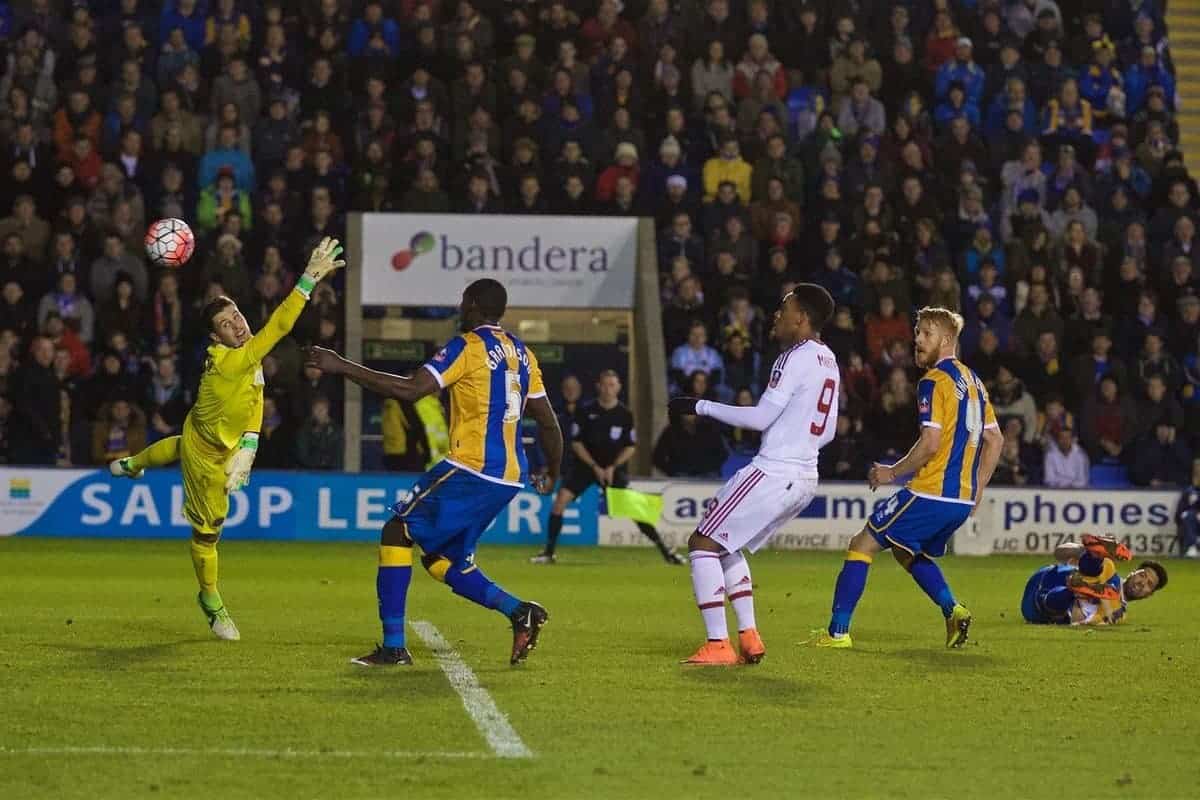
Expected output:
(160, 454)
(204, 559)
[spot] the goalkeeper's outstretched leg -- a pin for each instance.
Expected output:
(162, 453)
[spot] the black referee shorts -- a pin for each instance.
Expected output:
(581, 476)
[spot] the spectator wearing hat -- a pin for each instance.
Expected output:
(625, 164)
(1148, 71)
(961, 70)
(1101, 80)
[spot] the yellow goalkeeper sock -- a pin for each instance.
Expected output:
(160, 454)
(204, 559)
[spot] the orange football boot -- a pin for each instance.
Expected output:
(751, 645)
(714, 654)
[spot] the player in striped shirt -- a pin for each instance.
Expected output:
(953, 461)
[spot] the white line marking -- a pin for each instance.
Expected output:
(490, 720)
(235, 752)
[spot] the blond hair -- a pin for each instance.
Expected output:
(944, 318)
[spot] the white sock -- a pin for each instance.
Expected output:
(739, 588)
(708, 583)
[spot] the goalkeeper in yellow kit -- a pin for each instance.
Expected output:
(220, 434)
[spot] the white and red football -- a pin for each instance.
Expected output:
(170, 242)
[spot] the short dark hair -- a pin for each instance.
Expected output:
(1159, 570)
(490, 296)
(816, 302)
(216, 306)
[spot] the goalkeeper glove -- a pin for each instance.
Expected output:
(323, 261)
(237, 468)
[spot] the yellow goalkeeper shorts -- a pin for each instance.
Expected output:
(205, 501)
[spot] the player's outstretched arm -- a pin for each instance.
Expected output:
(396, 387)
(323, 262)
(757, 417)
(550, 437)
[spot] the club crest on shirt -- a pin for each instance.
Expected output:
(440, 355)
(923, 405)
(615, 432)
(776, 376)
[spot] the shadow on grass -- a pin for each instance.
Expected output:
(127, 656)
(756, 680)
(941, 658)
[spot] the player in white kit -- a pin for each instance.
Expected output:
(798, 416)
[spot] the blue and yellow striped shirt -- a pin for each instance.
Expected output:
(490, 373)
(953, 398)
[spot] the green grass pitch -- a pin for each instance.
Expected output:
(111, 687)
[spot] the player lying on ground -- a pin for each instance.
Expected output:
(953, 460)
(493, 380)
(604, 442)
(220, 434)
(1083, 586)
(797, 415)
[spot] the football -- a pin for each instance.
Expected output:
(170, 242)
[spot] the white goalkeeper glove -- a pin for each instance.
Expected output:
(323, 261)
(237, 468)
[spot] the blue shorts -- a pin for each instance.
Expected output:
(1039, 585)
(449, 510)
(917, 524)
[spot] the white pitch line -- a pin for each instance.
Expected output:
(235, 752)
(490, 720)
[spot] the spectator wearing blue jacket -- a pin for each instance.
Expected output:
(1148, 72)
(696, 355)
(189, 15)
(963, 70)
(955, 105)
(1100, 78)
(370, 23)
(841, 282)
(227, 154)
(1014, 96)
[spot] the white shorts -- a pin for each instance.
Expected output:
(752, 505)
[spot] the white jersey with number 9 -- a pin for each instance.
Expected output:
(805, 382)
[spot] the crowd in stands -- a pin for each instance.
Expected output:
(1014, 160)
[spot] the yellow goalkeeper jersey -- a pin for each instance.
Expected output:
(230, 399)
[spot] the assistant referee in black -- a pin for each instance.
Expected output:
(603, 441)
